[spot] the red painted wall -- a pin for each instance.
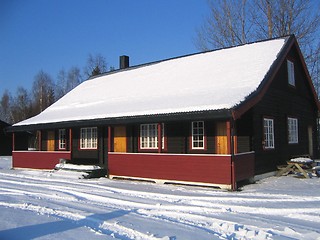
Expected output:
(37, 159)
(244, 166)
(214, 169)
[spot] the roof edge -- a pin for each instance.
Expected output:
(258, 94)
(186, 116)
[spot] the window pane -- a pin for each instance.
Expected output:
(198, 135)
(268, 133)
(89, 138)
(149, 136)
(291, 78)
(293, 130)
(62, 138)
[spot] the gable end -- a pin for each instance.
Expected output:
(256, 96)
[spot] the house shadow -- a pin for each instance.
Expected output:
(40, 230)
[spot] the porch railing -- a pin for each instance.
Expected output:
(206, 169)
(38, 159)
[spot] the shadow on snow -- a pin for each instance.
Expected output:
(43, 229)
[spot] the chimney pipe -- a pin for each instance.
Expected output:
(124, 62)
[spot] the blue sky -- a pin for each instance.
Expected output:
(52, 35)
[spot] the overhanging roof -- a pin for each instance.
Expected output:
(212, 82)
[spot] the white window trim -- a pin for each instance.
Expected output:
(146, 140)
(269, 134)
(291, 77)
(89, 138)
(197, 135)
(293, 131)
(62, 139)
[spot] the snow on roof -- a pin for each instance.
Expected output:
(213, 80)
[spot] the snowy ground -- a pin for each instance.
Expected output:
(59, 205)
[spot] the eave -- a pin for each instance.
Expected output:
(179, 116)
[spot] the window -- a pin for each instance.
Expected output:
(149, 136)
(198, 135)
(62, 139)
(290, 67)
(268, 133)
(293, 130)
(88, 138)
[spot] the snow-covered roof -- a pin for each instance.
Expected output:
(213, 80)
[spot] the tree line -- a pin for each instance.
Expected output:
(45, 90)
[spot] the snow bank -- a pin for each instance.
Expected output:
(73, 167)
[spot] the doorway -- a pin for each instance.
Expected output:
(120, 140)
(221, 138)
(50, 141)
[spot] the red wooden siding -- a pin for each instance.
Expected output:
(37, 159)
(212, 169)
(243, 166)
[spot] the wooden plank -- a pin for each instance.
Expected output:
(221, 138)
(50, 141)
(301, 170)
(285, 170)
(120, 139)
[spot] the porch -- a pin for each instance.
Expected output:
(38, 159)
(217, 170)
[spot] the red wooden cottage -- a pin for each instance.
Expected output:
(212, 118)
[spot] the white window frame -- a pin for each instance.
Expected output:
(198, 136)
(268, 133)
(62, 139)
(149, 136)
(89, 138)
(291, 77)
(293, 130)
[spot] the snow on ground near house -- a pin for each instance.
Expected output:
(55, 205)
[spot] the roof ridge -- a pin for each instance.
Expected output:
(286, 37)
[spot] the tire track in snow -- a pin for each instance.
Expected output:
(219, 214)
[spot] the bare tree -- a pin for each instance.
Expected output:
(21, 107)
(43, 91)
(5, 107)
(299, 17)
(60, 88)
(95, 65)
(227, 25)
(67, 81)
(234, 22)
(74, 78)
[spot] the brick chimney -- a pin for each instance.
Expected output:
(124, 62)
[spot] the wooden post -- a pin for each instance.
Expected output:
(231, 150)
(70, 141)
(13, 141)
(159, 137)
(109, 139)
(40, 140)
(233, 175)
(229, 140)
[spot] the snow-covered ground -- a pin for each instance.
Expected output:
(59, 205)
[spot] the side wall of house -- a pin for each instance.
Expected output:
(283, 101)
(6, 141)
